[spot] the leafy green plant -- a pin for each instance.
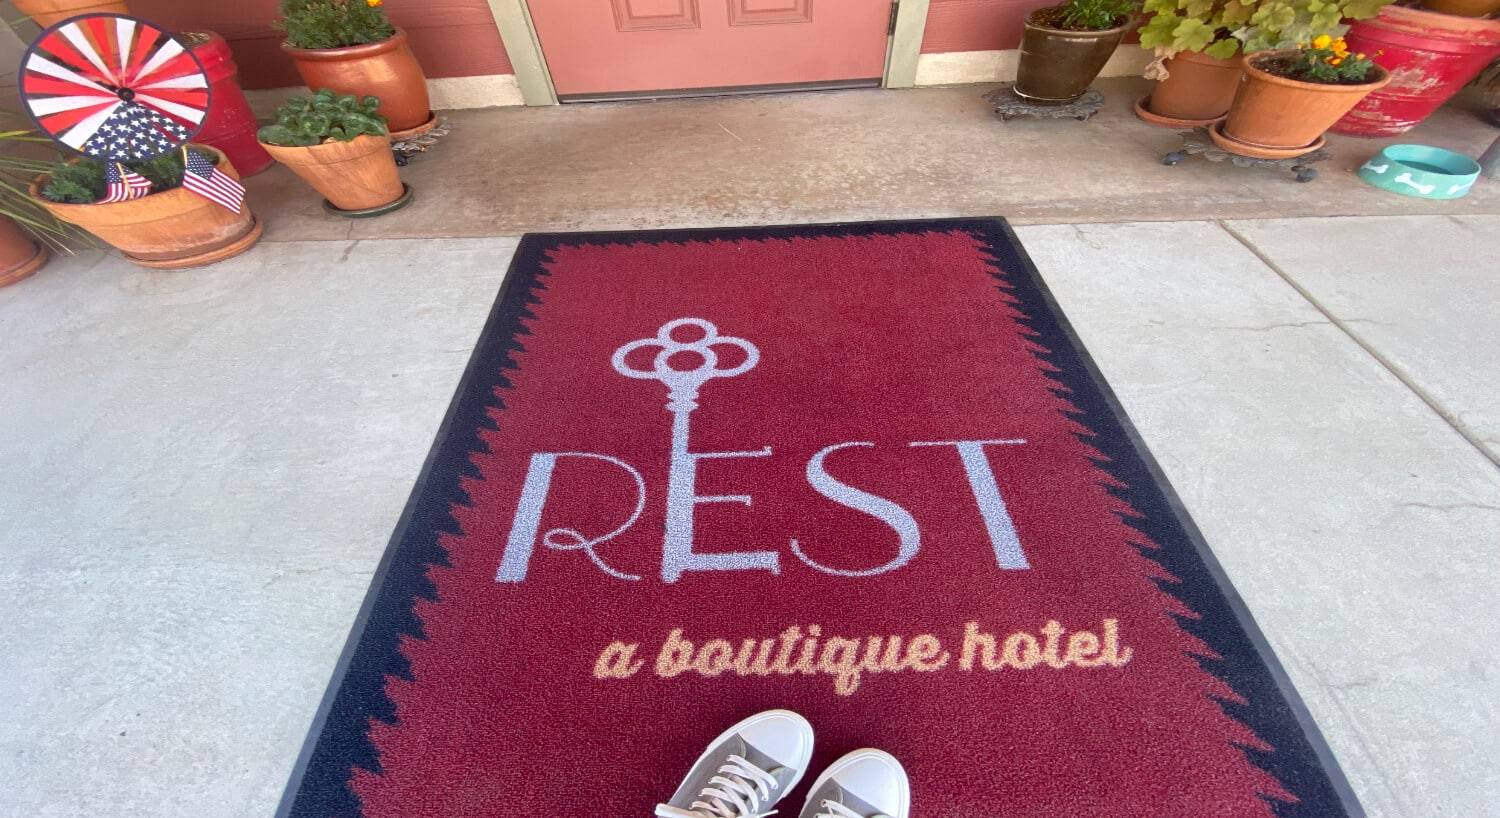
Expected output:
(324, 116)
(1195, 25)
(81, 181)
(16, 173)
(333, 23)
(1090, 15)
(1220, 28)
(1291, 23)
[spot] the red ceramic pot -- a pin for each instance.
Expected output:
(1430, 56)
(230, 126)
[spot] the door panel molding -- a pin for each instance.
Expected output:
(763, 12)
(655, 15)
(513, 18)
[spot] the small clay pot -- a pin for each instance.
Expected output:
(356, 175)
(1283, 114)
(20, 254)
(47, 12)
(1463, 8)
(168, 230)
(1057, 65)
(1198, 87)
(386, 69)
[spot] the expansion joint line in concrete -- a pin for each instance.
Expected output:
(1432, 403)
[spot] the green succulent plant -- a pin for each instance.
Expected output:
(304, 121)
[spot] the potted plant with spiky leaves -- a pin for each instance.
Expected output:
(28, 231)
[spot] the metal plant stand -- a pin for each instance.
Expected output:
(1197, 142)
(405, 149)
(1009, 105)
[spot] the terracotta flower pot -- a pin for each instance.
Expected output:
(1275, 112)
(1198, 87)
(20, 254)
(356, 175)
(1463, 8)
(168, 230)
(1058, 65)
(47, 12)
(386, 69)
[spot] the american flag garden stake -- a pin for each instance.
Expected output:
(201, 177)
(123, 184)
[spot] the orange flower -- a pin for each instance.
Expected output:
(373, 3)
(1336, 61)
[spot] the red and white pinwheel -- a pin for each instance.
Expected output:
(114, 87)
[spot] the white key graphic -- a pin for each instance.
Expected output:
(684, 366)
(683, 384)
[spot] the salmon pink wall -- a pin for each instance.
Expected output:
(979, 25)
(451, 38)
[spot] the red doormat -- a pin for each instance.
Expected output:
(865, 472)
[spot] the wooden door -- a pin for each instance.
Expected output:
(625, 47)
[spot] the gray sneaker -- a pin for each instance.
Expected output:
(862, 784)
(746, 770)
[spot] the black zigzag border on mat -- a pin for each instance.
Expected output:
(339, 742)
(1271, 710)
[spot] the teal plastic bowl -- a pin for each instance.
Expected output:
(1422, 171)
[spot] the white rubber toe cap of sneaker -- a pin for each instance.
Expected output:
(782, 735)
(877, 778)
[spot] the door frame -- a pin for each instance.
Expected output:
(518, 32)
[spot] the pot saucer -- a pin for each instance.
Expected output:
(24, 270)
(1144, 112)
(1229, 143)
(234, 248)
(397, 136)
(378, 210)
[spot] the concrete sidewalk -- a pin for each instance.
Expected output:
(205, 466)
(202, 468)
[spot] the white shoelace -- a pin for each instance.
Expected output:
(739, 791)
(835, 810)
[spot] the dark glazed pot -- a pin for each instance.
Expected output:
(1058, 65)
